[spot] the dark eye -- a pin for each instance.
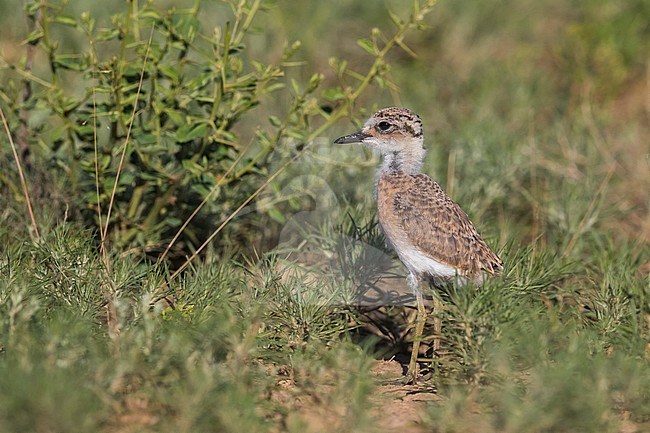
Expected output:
(384, 126)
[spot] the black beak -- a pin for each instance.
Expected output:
(357, 137)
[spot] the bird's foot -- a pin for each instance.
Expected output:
(411, 377)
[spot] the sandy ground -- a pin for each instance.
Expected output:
(399, 407)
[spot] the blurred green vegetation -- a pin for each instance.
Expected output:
(537, 122)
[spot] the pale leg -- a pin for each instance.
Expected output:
(414, 282)
(437, 323)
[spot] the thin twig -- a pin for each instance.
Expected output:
(198, 208)
(310, 139)
(128, 136)
(102, 233)
(235, 212)
(22, 134)
(592, 206)
(22, 176)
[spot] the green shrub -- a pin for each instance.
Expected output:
(134, 123)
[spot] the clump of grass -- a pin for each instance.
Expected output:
(550, 378)
(182, 363)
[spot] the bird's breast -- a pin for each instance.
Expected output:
(389, 217)
(393, 215)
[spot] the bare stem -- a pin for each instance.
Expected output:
(126, 140)
(22, 176)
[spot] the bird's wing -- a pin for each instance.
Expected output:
(438, 227)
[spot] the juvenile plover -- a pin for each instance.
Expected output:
(431, 234)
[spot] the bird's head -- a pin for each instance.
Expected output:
(394, 132)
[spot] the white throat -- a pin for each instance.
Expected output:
(408, 159)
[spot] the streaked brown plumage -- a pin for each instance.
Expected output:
(415, 208)
(431, 234)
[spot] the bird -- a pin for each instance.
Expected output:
(432, 236)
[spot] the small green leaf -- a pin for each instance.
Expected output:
(333, 94)
(145, 139)
(175, 116)
(108, 34)
(188, 132)
(66, 20)
(34, 37)
(274, 87)
(171, 72)
(395, 18)
(200, 189)
(150, 14)
(104, 162)
(72, 62)
(69, 104)
(315, 81)
(33, 8)
(85, 132)
(57, 133)
(192, 167)
(187, 26)
(338, 65)
(277, 215)
(367, 45)
(295, 86)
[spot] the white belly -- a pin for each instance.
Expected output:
(419, 263)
